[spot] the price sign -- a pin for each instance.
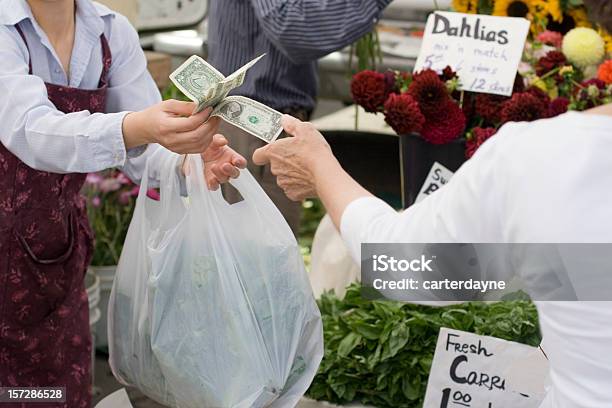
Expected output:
(484, 50)
(437, 177)
(472, 371)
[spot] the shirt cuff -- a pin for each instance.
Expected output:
(108, 146)
(355, 222)
(137, 151)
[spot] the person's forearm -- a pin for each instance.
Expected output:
(335, 187)
(135, 130)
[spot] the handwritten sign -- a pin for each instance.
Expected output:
(472, 371)
(484, 50)
(437, 177)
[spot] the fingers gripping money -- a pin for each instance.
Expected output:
(206, 86)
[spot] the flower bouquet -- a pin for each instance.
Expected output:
(437, 121)
(557, 73)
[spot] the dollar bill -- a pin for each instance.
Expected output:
(195, 78)
(251, 116)
(206, 86)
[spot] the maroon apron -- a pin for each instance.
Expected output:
(45, 246)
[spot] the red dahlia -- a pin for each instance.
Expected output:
(488, 107)
(430, 92)
(540, 96)
(550, 61)
(369, 89)
(522, 107)
(479, 136)
(402, 113)
(449, 124)
(594, 81)
(558, 106)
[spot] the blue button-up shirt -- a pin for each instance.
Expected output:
(293, 34)
(45, 138)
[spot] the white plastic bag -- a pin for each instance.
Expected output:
(211, 305)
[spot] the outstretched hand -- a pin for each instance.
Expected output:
(221, 163)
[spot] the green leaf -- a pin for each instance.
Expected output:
(411, 387)
(347, 344)
(369, 331)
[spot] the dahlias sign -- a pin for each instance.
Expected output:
(484, 50)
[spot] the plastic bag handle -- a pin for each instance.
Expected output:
(169, 188)
(252, 193)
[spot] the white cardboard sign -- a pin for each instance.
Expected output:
(484, 50)
(437, 177)
(472, 371)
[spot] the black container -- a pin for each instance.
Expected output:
(416, 158)
(371, 159)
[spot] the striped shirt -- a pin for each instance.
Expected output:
(293, 34)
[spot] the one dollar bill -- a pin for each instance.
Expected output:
(206, 86)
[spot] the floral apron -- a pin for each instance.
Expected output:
(45, 246)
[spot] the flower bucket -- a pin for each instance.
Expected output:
(416, 158)
(370, 158)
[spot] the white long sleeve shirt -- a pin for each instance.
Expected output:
(548, 181)
(45, 138)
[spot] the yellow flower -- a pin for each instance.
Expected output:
(566, 69)
(466, 6)
(513, 8)
(539, 83)
(579, 14)
(583, 46)
(545, 8)
(607, 37)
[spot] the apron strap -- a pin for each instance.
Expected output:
(107, 58)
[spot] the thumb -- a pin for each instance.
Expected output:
(261, 156)
(290, 124)
(179, 108)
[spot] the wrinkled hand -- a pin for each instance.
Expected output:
(221, 163)
(292, 159)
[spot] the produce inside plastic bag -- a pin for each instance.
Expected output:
(211, 305)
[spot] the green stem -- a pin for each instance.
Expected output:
(550, 73)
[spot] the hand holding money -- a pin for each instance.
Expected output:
(168, 123)
(207, 87)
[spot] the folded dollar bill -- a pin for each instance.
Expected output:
(206, 86)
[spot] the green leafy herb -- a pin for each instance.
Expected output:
(380, 352)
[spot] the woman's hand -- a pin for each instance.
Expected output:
(170, 124)
(221, 163)
(293, 160)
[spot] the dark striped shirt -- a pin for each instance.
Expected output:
(293, 34)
